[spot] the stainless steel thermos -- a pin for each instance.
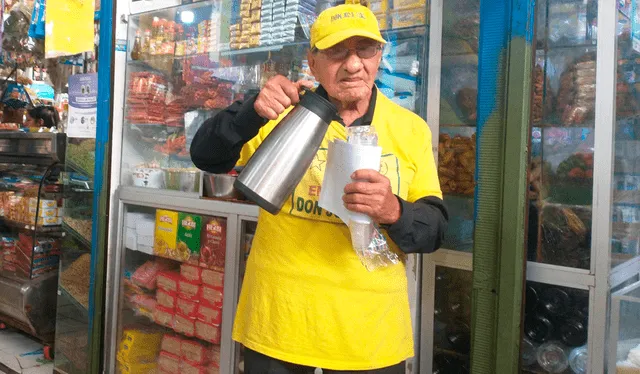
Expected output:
(280, 162)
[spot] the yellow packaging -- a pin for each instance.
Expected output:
(139, 346)
(44, 212)
(166, 235)
(379, 6)
(254, 40)
(245, 7)
(127, 368)
(408, 17)
(256, 4)
(255, 28)
(234, 27)
(255, 16)
(245, 13)
(33, 202)
(48, 221)
(69, 27)
(403, 4)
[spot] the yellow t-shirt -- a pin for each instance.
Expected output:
(306, 298)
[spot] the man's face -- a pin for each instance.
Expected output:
(348, 69)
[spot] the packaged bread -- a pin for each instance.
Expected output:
(166, 299)
(188, 290)
(213, 278)
(171, 343)
(163, 316)
(187, 307)
(211, 296)
(209, 314)
(207, 332)
(169, 362)
(168, 281)
(199, 353)
(191, 273)
(190, 368)
(184, 325)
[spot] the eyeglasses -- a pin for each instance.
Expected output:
(340, 53)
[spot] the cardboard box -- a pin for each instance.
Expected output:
(166, 233)
(189, 230)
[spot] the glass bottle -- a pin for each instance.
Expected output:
(531, 299)
(538, 328)
(573, 331)
(578, 360)
(552, 357)
(136, 51)
(146, 43)
(459, 336)
(528, 354)
(555, 301)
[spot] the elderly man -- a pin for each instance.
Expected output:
(307, 301)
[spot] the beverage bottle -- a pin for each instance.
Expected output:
(459, 336)
(136, 51)
(538, 328)
(146, 43)
(573, 330)
(552, 357)
(531, 299)
(459, 303)
(528, 352)
(555, 301)
(578, 360)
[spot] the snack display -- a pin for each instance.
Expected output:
(187, 307)
(75, 279)
(139, 346)
(168, 362)
(564, 235)
(192, 273)
(189, 228)
(163, 316)
(166, 235)
(21, 208)
(166, 299)
(213, 278)
(212, 296)
(209, 314)
(171, 344)
(147, 275)
(168, 281)
(188, 290)
(199, 353)
(457, 163)
(146, 96)
(577, 168)
(207, 332)
(184, 325)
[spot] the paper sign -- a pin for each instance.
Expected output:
(342, 160)
(83, 106)
(69, 27)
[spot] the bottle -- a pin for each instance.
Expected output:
(555, 301)
(528, 352)
(146, 43)
(459, 304)
(531, 299)
(552, 357)
(578, 360)
(573, 331)
(459, 336)
(538, 328)
(136, 51)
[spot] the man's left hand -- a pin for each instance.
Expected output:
(371, 194)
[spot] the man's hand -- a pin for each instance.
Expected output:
(278, 94)
(371, 194)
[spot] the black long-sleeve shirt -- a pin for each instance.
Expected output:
(216, 148)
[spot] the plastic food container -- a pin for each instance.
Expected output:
(148, 177)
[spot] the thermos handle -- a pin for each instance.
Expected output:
(306, 90)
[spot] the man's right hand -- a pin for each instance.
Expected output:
(278, 94)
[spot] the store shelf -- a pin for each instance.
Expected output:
(24, 226)
(67, 295)
(76, 235)
(78, 169)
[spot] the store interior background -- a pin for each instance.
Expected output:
(95, 283)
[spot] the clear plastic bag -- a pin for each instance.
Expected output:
(367, 240)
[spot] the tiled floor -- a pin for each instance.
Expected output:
(21, 354)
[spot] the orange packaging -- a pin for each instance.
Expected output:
(209, 314)
(171, 344)
(186, 307)
(168, 281)
(163, 316)
(214, 243)
(191, 272)
(211, 296)
(169, 362)
(188, 290)
(213, 278)
(212, 369)
(198, 353)
(207, 332)
(166, 299)
(184, 325)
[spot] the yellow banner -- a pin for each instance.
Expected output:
(69, 27)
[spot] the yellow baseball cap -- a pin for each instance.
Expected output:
(339, 23)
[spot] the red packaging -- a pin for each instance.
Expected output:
(214, 243)
(199, 353)
(211, 296)
(169, 362)
(191, 273)
(171, 344)
(163, 316)
(186, 307)
(168, 281)
(184, 325)
(190, 368)
(212, 369)
(167, 299)
(188, 290)
(146, 275)
(207, 332)
(209, 314)
(213, 278)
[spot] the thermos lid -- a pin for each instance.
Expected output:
(322, 107)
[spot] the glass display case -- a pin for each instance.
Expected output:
(182, 65)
